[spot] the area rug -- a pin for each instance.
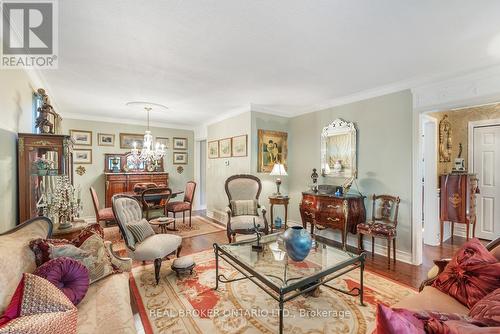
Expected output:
(190, 305)
(199, 226)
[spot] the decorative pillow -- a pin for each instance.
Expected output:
(38, 307)
(488, 309)
(140, 230)
(434, 326)
(470, 275)
(68, 275)
(397, 321)
(244, 207)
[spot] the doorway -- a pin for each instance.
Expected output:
(485, 163)
(203, 173)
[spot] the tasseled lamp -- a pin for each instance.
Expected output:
(278, 170)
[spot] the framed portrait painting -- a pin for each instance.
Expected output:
(105, 139)
(273, 148)
(81, 137)
(82, 156)
(127, 140)
(180, 158)
(162, 141)
(213, 149)
(239, 146)
(180, 143)
(225, 148)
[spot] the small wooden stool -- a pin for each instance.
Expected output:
(183, 265)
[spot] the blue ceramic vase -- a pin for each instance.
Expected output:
(298, 242)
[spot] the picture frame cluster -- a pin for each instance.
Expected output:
(235, 147)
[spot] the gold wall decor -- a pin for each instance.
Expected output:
(80, 170)
(445, 143)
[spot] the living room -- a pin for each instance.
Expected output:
(250, 167)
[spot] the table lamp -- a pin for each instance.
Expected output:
(278, 170)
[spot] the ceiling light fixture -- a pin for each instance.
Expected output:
(149, 153)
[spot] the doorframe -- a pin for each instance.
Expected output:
(470, 141)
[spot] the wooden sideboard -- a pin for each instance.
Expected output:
(122, 182)
(336, 212)
(458, 201)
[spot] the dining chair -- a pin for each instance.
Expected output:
(101, 215)
(382, 225)
(155, 247)
(243, 193)
(154, 199)
(185, 205)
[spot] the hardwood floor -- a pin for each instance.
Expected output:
(402, 272)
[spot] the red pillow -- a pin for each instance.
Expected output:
(397, 321)
(488, 309)
(470, 275)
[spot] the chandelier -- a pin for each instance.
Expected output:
(149, 153)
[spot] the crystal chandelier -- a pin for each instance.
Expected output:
(150, 152)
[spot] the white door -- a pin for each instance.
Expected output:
(487, 167)
(431, 201)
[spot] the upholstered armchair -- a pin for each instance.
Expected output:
(243, 193)
(156, 247)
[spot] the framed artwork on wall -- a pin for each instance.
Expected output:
(213, 149)
(180, 158)
(225, 148)
(180, 143)
(273, 148)
(163, 141)
(81, 137)
(127, 140)
(105, 139)
(239, 146)
(82, 156)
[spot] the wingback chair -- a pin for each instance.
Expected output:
(101, 215)
(154, 248)
(243, 193)
(382, 225)
(185, 205)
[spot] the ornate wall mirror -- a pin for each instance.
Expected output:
(338, 149)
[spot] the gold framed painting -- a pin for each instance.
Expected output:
(81, 137)
(239, 146)
(127, 140)
(273, 148)
(213, 149)
(180, 158)
(225, 148)
(180, 143)
(163, 141)
(105, 139)
(82, 156)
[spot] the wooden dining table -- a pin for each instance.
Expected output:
(150, 197)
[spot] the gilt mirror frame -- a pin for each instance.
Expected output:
(339, 127)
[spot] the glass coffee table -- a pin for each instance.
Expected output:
(324, 263)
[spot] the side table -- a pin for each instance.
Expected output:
(278, 200)
(163, 223)
(72, 232)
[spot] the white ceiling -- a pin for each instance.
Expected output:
(207, 58)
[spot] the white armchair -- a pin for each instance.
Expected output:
(155, 248)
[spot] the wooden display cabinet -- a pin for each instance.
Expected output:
(33, 182)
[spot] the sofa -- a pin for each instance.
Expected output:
(432, 299)
(106, 307)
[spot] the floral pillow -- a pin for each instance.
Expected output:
(470, 275)
(39, 307)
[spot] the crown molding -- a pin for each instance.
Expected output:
(129, 121)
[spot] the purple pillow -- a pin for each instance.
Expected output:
(69, 275)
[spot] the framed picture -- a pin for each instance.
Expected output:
(239, 146)
(180, 143)
(105, 139)
(213, 149)
(82, 156)
(273, 148)
(162, 141)
(81, 137)
(127, 140)
(180, 158)
(225, 148)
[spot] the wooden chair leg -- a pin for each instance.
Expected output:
(373, 246)
(388, 253)
(394, 250)
(452, 230)
(467, 231)
(157, 270)
(190, 217)
(441, 231)
(474, 228)
(360, 242)
(183, 217)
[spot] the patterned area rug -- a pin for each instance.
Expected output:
(199, 226)
(189, 304)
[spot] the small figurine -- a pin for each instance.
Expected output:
(314, 177)
(42, 122)
(258, 248)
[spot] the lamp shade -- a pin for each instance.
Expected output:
(278, 170)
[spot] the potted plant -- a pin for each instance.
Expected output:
(42, 165)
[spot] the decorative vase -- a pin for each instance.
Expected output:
(277, 223)
(298, 242)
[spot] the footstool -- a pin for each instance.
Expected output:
(183, 265)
